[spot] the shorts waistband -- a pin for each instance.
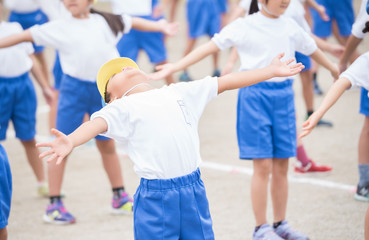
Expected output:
(274, 85)
(172, 183)
(18, 78)
(83, 81)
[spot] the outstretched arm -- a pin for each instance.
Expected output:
(334, 93)
(322, 59)
(14, 39)
(191, 58)
(351, 46)
(319, 8)
(63, 144)
(155, 26)
(277, 68)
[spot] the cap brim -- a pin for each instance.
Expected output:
(109, 69)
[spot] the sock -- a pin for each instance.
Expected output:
(54, 199)
(309, 113)
(277, 224)
(257, 228)
(363, 175)
(117, 192)
(301, 156)
(314, 76)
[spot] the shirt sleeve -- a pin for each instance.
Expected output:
(229, 35)
(117, 118)
(127, 20)
(358, 72)
(197, 94)
(304, 43)
(361, 19)
(48, 34)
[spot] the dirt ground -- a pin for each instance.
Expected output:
(321, 206)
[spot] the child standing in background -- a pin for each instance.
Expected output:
(74, 37)
(266, 124)
(159, 129)
(18, 97)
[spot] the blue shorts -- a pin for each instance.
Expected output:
(27, 20)
(203, 18)
(266, 121)
(222, 6)
(18, 103)
(174, 209)
(364, 102)
(76, 98)
(6, 188)
(151, 42)
(304, 59)
(57, 72)
(341, 11)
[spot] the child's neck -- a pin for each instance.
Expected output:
(267, 13)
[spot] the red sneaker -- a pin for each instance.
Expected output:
(311, 167)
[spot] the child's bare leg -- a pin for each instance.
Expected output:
(259, 188)
(55, 177)
(111, 162)
(364, 143)
(36, 163)
(3, 234)
(279, 188)
(42, 60)
(215, 60)
(189, 46)
(308, 89)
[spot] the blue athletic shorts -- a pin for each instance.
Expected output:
(18, 103)
(27, 20)
(57, 72)
(6, 188)
(304, 59)
(203, 18)
(341, 11)
(266, 121)
(76, 98)
(364, 102)
(174, 209)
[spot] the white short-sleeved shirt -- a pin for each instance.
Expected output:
(54, 9)
(22, 6)
(361, 19)
(259, 39)
(358, 72)
(159, 128)
(15, 60)
(84, 45)
(131, 7)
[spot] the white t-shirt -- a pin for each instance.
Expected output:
(54, 9)
(259, 39)
(159, 128)
(131, 7)
(358, 72)
(361, 19)
(84, 45)
(22, 6)
(15, 60)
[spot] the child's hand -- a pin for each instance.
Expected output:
(336, 50)
(323, 13)
(163, 71)
(60, 147)
(309, 124)
(49, 95)
(170, 29)
(283, 69)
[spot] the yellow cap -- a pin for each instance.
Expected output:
(109, 69)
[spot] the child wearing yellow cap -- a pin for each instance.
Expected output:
(159, 129)
(85, 41)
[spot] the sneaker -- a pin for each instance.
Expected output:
(122, 205)
(311, 167)
(362, 193)
(286, 232)
(265, 232)
(216, 73)
(317, 89)
(43, 190)
(57, 214)
(184, 77)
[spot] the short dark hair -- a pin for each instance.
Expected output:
(106, 94)
(366, 28)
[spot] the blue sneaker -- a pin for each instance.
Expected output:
(122, 205)
(216, 73)
(286, 232)
(57, 214)
(265, 232)
(184, 77)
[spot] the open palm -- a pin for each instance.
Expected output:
(285, 68)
